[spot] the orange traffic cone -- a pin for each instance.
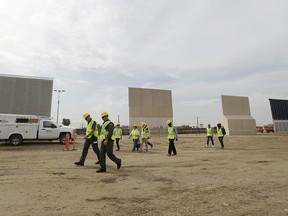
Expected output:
(67, 142)
(74, 141)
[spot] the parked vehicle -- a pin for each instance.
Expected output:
(17, 128)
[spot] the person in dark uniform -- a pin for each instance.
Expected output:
(220, 133)
(107, 140)
(172, 135)
(90, 138)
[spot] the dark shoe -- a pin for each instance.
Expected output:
(151, 145)
(79, 164)
(119, 164)
(117, 149)
(101, 170)
(98, 162)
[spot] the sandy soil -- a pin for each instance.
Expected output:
(248, 177)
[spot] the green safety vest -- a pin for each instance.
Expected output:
(104, 132)
(89, 129)
(134, 134)
(171, 133)
(117, 132)
(209, 132)
(219, 132)
(145, 133)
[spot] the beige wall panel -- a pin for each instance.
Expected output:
(167, 98)
(158, 98)
(235, 105)
(134, 96)
(155, 109)
(135, 111)
(242, 127)
(237, 118)
(146, 97)
(147, 111)
(168, 112)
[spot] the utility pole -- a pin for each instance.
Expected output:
(58, 91)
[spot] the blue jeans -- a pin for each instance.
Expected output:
(135, 144)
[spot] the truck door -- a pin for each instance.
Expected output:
(48, 130)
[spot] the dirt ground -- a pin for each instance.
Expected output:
(248, 177)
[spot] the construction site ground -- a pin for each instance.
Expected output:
(248, 177)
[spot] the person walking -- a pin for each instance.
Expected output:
(107, 141)
(90, 139)
(221, 133)
(209, 131)
(135, 134)
(117, 132)
(145, 134)
(172, 135)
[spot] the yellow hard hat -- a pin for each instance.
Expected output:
(209, 123)
(104, 114)
(168, 122)
(134, 125)
(143, 123)
(85, 115)
(218, 123)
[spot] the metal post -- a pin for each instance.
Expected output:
(58, 91)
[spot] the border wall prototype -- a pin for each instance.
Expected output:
(237, 118)
(25, 95)
(152, 106)
(279, 110)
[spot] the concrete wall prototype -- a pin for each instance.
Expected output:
(279, 110)
(152, 106)
(237, 118)
(25, 95)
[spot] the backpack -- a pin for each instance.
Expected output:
(223, 131)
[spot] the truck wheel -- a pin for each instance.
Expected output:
(15, 140)
(62, 138)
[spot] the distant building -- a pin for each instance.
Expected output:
(25, 95)
(279, 109)
(237, 118)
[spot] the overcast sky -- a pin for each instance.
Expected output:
(199, 49)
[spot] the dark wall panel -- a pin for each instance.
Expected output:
(25, 95)
(279, 109)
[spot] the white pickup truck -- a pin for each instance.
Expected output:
(17, 128)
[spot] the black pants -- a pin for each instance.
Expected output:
(150, 144)
(107, 149)
(172, 147)
(221, 141)
(117, 143)
(86, 147)
(210, 138)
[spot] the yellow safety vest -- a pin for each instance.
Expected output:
(219, 132)
(145, 133)
(117, 132)
(134, 134)
(104, 132)
(209, 132)
(89, 129)
(171, 133)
